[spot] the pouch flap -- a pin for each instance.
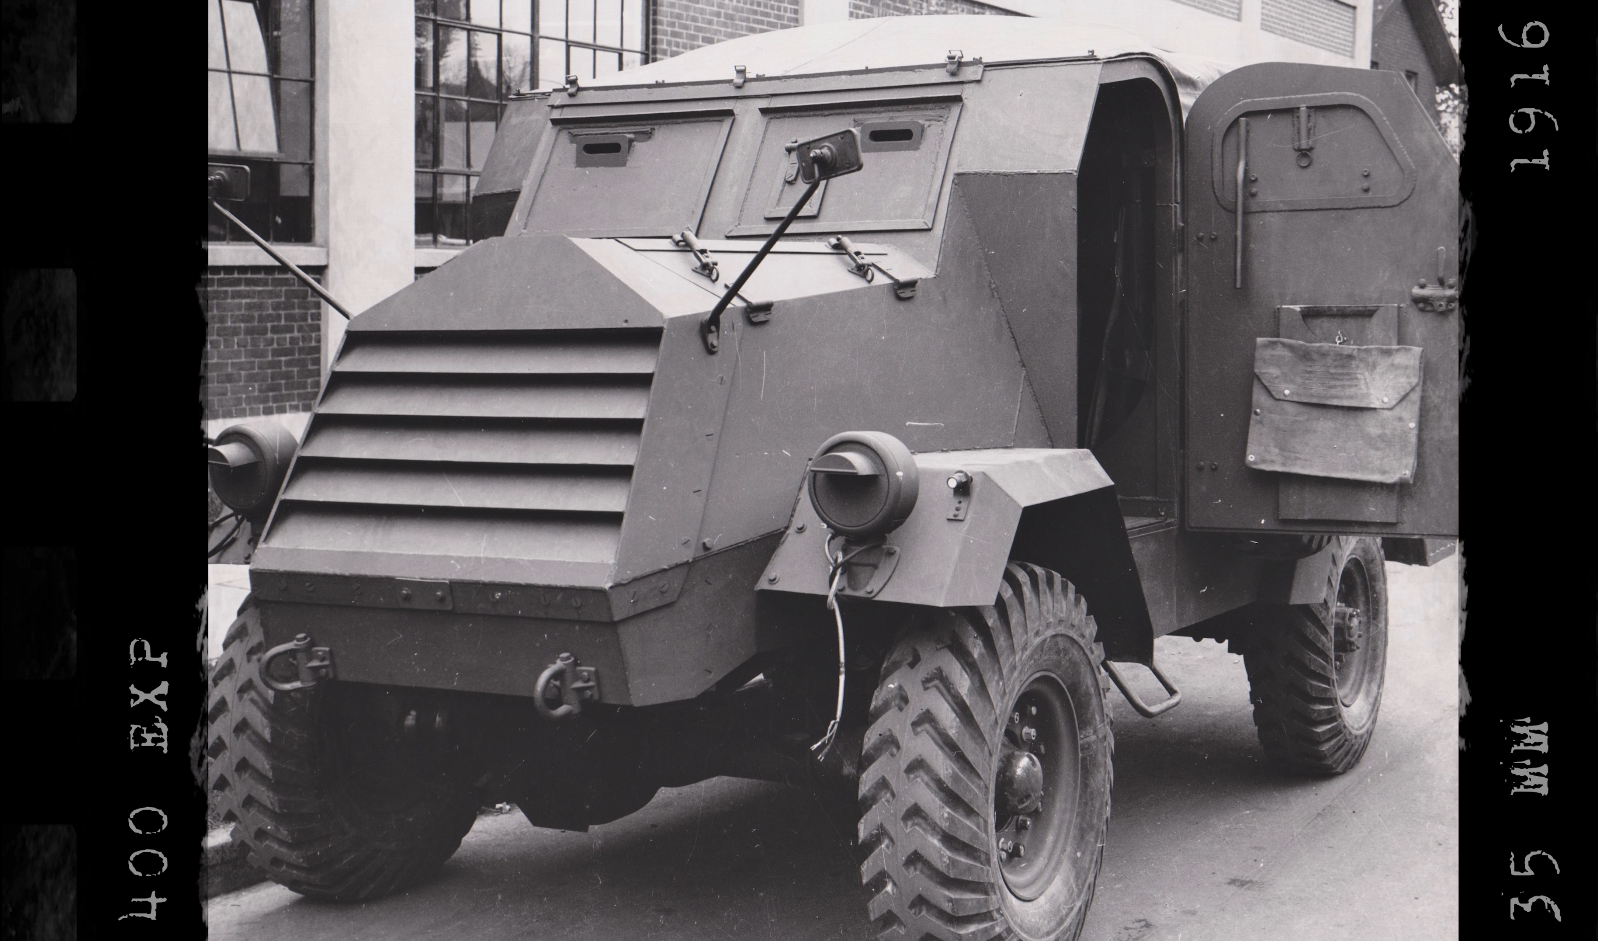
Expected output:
(1329, 374)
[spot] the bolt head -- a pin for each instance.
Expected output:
(405, 594)
(1214, 466)
(707, 543)
(800, 528)
(771, 579)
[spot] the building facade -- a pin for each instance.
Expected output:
(365, 126)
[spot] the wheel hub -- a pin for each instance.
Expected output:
(1036, 787)
(1020, 783)
(1348, 629)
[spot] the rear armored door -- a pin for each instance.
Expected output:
(1322, 329)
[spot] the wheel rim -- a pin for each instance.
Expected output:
(1036, 787)
(1354, 648)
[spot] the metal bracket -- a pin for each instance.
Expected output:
(882, 560)
(1443, 297)
(1144, 709)
(574, 684)
(1303, 135)
(708, 265)
(312, 664)
(864, 267)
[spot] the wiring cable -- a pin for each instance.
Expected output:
(836, 577)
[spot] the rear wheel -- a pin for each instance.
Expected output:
(1316, 672)
(985, 790)
(325, 799)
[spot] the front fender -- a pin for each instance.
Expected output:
(1056, 508)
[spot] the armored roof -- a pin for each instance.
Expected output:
(903, 42)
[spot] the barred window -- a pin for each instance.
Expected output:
(260, 76)
(471, 55)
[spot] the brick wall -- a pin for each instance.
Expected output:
(263, 342)
(867, 9)
(680, 25)
(1395, 45)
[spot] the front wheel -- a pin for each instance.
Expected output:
(985, 793)
(326, 802)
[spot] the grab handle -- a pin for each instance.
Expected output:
(1242, 177)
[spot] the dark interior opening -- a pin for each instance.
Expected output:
(1120, 192)
(603, 147)
(884, 135)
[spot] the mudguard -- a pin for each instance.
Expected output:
(1053, 507)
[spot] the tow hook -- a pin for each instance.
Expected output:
(571, 683)
(312, 664)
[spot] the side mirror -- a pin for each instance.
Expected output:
(830, 156)
(227, 182)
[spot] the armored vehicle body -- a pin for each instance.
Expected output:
(855, 404)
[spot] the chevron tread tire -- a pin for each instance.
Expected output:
(275, 771)
(948, 718)
(1315, 706)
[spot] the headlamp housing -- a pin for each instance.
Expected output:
(247, 465)
(863, 483)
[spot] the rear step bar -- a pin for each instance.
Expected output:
(1144, 709)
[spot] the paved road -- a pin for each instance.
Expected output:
(1206, 842)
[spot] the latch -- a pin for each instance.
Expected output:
(311, 664)
(1444, 296)
(572, 685)
(864, 267)
(1304, 134)
(707, 264)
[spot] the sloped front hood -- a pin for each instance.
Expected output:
(539, 412)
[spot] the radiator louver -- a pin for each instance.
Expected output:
(504, 446)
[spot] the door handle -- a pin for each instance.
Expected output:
(1444, 296)
(1242, 178)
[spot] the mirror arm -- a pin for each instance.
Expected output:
(293, 269)
(710, 327)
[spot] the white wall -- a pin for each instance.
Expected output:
(370, 129)
(812, 12)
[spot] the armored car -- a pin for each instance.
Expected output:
(855, 405)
